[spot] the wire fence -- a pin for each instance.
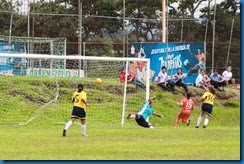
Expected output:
(85, 36)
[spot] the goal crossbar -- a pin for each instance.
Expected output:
(70, 57)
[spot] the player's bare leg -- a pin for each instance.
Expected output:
(131, 116)
(188, 122)
(176, 122)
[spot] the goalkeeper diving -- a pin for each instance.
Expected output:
(142, 116)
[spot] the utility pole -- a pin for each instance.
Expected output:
(79, 35)
(213, 35)
(163, 21)
(228, 54)
(124, 28)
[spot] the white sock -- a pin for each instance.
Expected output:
(133, 116)
(199, 120)
(206, 121)
(68, 124)
(83, 129)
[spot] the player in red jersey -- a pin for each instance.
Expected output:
(187, 105)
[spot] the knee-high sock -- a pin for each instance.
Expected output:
(68, 124)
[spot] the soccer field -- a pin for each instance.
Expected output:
(41, 138)
(162, 143)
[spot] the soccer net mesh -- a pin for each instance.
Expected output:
(35, 45)
(43, 93)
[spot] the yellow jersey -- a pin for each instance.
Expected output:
(208, 98)
(77, 99)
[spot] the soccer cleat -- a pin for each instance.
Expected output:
(188, 123)
(128, 117)
(64, 133)
(196, 126)
(204, 126)
(83, 135)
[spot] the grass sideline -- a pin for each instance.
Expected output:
(167, 143)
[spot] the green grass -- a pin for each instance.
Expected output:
(166, 143)
(22, 97)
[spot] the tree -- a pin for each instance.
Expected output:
(226, 11)
(143, 17)
(189, 5)
(6, 8)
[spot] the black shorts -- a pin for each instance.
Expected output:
(207, 108)
(78, 112)
(140, 121)
(229, 82)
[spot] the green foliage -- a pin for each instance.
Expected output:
(101, 25)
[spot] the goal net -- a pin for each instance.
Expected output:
(43, 94)
(35, 45)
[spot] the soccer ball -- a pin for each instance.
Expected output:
(187, 63)
(99, 81)
(238, 87)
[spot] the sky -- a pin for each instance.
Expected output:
(197, 14)
(202, 5)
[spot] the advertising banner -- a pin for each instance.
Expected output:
(12, 66)
(190, 57)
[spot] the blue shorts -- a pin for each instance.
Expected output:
(78, 112)
(201, 65)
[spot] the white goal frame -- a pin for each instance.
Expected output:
(94, 58)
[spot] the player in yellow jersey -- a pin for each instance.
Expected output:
(79, 110)
(207, 106)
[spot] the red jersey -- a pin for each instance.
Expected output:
(130, 77)
(187, 106)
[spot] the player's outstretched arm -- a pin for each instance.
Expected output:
(152, 98)
(179, 104)
(158, 115)
(200, 99)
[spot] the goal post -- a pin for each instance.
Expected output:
(110, 102)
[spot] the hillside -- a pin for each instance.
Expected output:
(38, 100)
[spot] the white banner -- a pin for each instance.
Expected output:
(44, 72)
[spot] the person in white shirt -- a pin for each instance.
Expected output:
(202, 80)
(163, 81)
(227, 76)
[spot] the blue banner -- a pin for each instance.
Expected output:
(189, 57)
(12, 66)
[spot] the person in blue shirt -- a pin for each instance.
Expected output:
(142, 116)
(217, 80)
